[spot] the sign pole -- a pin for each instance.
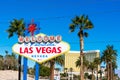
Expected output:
(24, 68)
(37, 66)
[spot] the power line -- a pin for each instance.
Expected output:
(63, 17)
(118, 41)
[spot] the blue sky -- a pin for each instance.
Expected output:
(54, 17)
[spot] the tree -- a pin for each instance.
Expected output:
(71, 70)
(17, 27)
(97, 62)
(10, 62)
(90, 77)
(100, 72)
(66, 72)
(92, 67)
(44, 71)
(58, 60)
(86, 76)
(109, 56)
(31, 70)
(1, 62)
(114, 66)
(85, 63)
(82, 23)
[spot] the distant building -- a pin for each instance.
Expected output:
(72, 57)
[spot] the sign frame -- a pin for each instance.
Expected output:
(40, 62)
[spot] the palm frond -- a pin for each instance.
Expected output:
(82, 23)
(85, 34)
(16, 27)
(85, 62)
(78, 62)
(88, 24)
(10, 35)
(72, 27)
(60, 60)
(109, 54)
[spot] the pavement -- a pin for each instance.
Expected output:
(13, 75)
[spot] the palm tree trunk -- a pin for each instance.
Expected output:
(81, 57)
(52, 65)
(108, 71)
(97, 72)
(19, 67)
(100, 76)
(92, 75)
(81, 68)
(111, 71)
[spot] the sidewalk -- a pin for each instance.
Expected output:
(12, 75)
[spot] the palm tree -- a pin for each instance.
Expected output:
(86, 76)
(1, 62)
(97, 61)
(17, 27)
(82, 23)
(65, 72)
(114, 66)
(58, 60)
(7, 60)
(100, 72)
(10, 62)
(85, 63)
(71, 70)
(92, 67)
(108, 56)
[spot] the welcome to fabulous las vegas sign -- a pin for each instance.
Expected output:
(41, 47)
